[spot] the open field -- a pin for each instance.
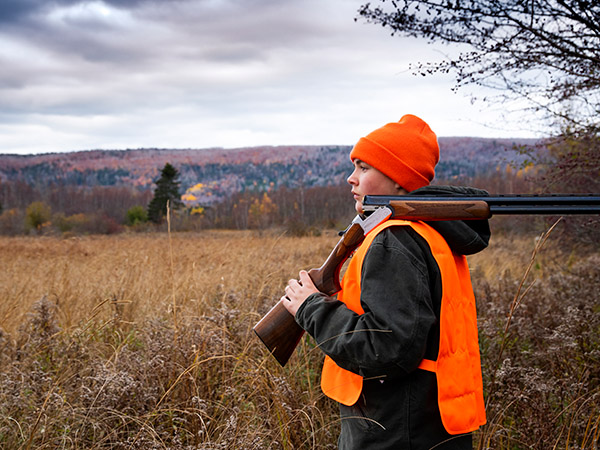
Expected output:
(145, 341)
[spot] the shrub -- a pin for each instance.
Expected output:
(37, 215)
(136, 215)
(77, 223)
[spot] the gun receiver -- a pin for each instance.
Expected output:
(278, 329)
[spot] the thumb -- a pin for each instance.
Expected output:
(305, 279)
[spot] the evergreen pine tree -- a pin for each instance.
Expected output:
(167, 189)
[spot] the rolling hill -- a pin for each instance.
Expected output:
(215, 173)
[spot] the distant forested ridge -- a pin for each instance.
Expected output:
(223, 172)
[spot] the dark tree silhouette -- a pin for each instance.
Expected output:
(167, 190)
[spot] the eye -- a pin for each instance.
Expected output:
(362, 165)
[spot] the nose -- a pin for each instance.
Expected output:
(352, 178)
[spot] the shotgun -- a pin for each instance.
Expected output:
(278, 329)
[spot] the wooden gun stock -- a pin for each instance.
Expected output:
(278, 329)
(279, 332)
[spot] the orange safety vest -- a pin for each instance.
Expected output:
(458, 366)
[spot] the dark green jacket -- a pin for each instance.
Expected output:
(401, 299)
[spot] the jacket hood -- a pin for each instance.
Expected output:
(465, 237)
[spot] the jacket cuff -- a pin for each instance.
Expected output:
(311, 298)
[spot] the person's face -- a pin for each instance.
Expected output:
(367, 180)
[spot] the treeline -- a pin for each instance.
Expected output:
(62, 208)
(71, 209)
(300, 210)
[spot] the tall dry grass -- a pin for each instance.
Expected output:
(136, 272)
(92, 355)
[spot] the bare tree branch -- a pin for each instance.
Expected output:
(544, 51)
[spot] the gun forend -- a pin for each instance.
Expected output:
(434, 210)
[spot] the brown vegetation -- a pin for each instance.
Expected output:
(145, 341)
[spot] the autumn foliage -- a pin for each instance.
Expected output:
(301, 189)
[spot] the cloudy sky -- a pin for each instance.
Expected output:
(117, 74)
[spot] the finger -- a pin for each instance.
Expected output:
(294, 285)
(289, 291)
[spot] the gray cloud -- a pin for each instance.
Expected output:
(201, 73)
(17, 10)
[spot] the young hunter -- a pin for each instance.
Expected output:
(400, 338)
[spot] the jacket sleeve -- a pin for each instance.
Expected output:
(390, 338)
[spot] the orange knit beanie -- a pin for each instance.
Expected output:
(407, 151)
